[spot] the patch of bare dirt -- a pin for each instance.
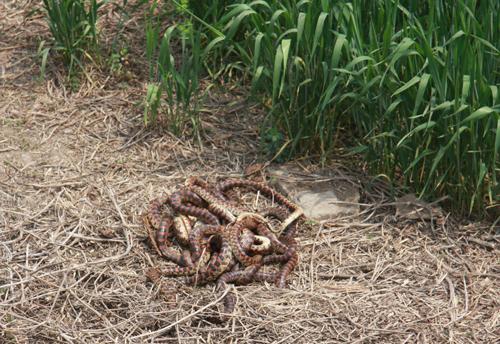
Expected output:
(77, 170)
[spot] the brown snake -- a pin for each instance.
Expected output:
(228, 243)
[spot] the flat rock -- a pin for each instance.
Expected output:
(322, 196)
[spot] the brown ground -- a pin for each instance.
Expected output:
(77, 170)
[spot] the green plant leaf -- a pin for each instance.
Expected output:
(478, 114)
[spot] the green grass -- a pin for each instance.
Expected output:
(411, 87)
(414, 83)
(74, 32)
(174, 89)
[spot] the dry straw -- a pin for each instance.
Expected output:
(76, 172)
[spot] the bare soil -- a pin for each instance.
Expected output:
(78, 168)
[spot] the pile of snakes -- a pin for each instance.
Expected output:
(212, 238)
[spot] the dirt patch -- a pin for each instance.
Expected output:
(77, 170)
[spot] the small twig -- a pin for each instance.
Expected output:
(367, 328)
(117, 207)
(55, 185)
(481, 242)
(84, 237)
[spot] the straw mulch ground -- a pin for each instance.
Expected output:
(77, 170)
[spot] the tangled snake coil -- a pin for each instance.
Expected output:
(210, 238)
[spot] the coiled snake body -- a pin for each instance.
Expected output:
(210, 238)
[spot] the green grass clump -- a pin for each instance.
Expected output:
(73, 27)
(175, 77)
(414, 83)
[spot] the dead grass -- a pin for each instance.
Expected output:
(77, 170)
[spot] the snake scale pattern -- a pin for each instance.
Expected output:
(212, 239)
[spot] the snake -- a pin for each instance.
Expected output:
(282, 214)
(296, 212)
(223, 209)
(196, 239)
(162, 247)
(261, 187)
(227, 244)
(154, 214)
(232, 235)
(178, 199)
(198, 182)
(245, 276)
(258, 244)
(219, 262)
(291, 257)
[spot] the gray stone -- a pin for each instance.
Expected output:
(322, 196)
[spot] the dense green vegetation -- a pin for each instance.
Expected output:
(74, 31)
(412, 86)
(414, 82)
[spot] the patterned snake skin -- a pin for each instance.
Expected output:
(210, 238)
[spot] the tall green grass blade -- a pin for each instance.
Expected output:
(478, 114)
(318, 32)
(422, 87)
